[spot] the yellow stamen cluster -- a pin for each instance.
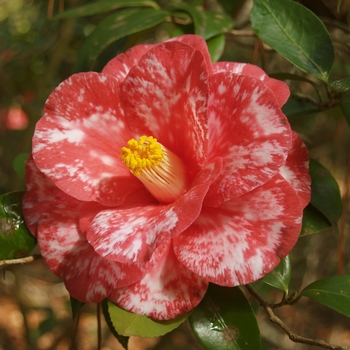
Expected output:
(160, 170)
(142, 154)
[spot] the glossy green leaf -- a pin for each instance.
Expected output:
(105, 6)
(345, 107)
(114, 27)
(297, 107)
(313, 221)
(15, 239)
(216, 47)
(207, 24)
(224, 320)
(127, 324)
(280, 276)
(325, 193)
(333, 292)
(122, 339)
(296, 33)
(342, 85)
(19, 164)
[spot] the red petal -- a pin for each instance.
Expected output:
(165, 292)
(120, 65)
(197, 43)
(132, 234)
(279, 88)
(41, 191)
(78, 141)
(88, 277)
(296, 170)
(243, 239)
(248, 130)
(57, 218)
(165, 95)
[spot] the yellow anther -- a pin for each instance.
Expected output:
(142, 154)
(160, 170)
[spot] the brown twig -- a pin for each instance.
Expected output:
(292, 336)
(25, 260)
(241, 32)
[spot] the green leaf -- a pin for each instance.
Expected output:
(76, 306)
(280, 277)
(224, 320)
(114, 27)
(342, 85)
(296, 107)
(325, 193)
(345, 107)
(207, 24)
(296, 33)
(122, 340)
(333, 292)
(15, 239)
(313, 221)
(104, 6)
(127, 324)
(19, 164)
(216, 47)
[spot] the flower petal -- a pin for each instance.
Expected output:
(120, 65)
(165, 292)
(248, 130)
(243, 239)
(165, 96)
(88, 277)
(78, 140)
(132, 234)
(279, 88)
(54, 217)
(197, 43)
(296, 170)
(40, 192)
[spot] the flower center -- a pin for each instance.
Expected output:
(160, 170)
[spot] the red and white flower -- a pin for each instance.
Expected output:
(163, 173)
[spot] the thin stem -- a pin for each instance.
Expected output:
(284, 301)
(256, 52)
(341, 239)
(262, 54)
(26, 260)
(241, 32)
(292, 336)
(99, 332)
(61, 6)
(50, 9)
(75, 332)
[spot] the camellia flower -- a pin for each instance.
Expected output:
(163, 173)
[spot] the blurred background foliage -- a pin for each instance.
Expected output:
(37, 52)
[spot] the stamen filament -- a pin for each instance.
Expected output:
(159, 169)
